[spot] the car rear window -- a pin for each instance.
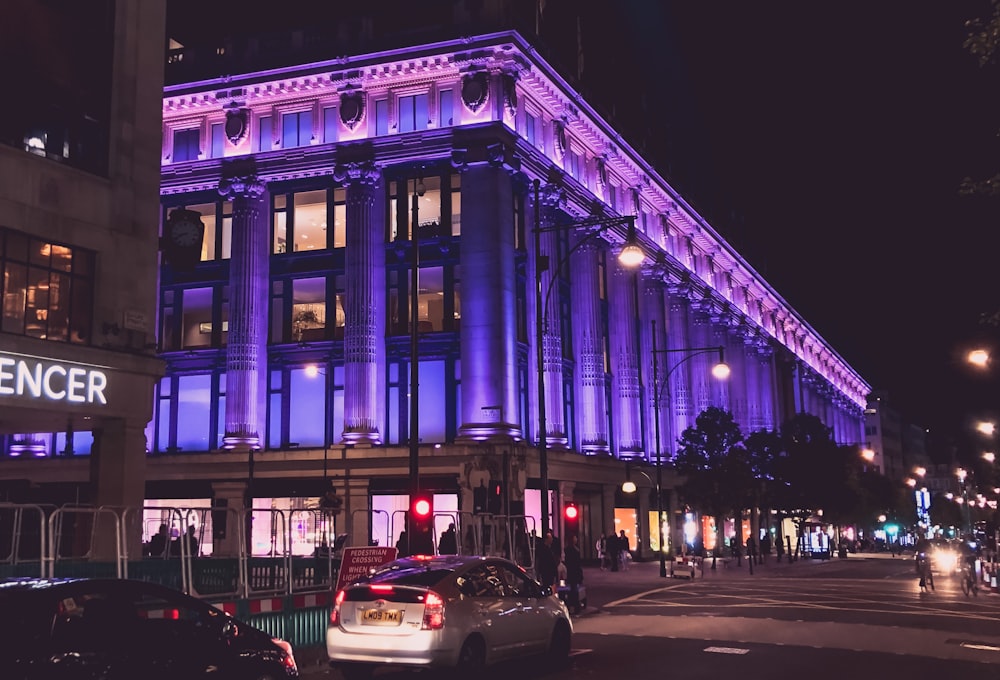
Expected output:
(410, 576)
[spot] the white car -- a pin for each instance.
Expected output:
(447, 611)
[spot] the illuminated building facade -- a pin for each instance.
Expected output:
(288, 345)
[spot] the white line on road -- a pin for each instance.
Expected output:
(726, 650)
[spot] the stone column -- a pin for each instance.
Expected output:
(552, 360)
(679, 399)
(364, 305)
(752, 371)
(490, 397)
(118, 471)
(588, 347)
(654, 316)
(246, 349)
(625, 393)
(701, 378)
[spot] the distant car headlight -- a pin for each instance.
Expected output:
(946, 560)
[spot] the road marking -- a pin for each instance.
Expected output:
(580, 652)
(975, 645)
(726, 650)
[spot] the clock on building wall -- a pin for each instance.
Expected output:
(182, 237)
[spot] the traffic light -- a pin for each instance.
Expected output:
(571, 520)
(421, 533)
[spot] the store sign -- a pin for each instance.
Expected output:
(32, 377)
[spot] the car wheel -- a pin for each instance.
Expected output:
(472, 657)
(559, 645)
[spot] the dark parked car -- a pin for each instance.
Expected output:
(117, 629)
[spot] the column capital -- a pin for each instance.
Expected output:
(242, 186)
(366, 173)
(495, 153)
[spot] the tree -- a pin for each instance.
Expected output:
(808, 468)
(718, 476)
(982, 42)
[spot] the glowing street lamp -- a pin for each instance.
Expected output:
(979, 358)
(986, 427)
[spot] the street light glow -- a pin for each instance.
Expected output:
(986, 428)
(629, 486)
(868, 455)
(979, 357)
(989, 456)
(631, 255)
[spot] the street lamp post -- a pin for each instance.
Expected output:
(720, 371)
(418, 191)
(631, 255)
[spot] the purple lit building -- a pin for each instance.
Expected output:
(288, 345)
(285, 344)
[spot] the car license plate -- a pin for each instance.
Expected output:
(382, 617)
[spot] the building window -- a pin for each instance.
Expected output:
(381, 117)
(216, 244)
(331, 124)
(530, 128)
(194, 409)
(264, 134)
(446, 108)
(413, 113)
(300, 221)
(196, 318)
(218, 140)
(186, 145)
(296, 129)
(309, 309)
(47, 288)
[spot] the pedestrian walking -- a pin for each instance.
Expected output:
(602, 552)
(574, 573)
(547, 562)
(613, 550)
(624, 550)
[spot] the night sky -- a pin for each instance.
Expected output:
(826, 142)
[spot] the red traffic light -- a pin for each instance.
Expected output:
(421, 507)
(571, 512)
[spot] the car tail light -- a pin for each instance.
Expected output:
(433, 612)
(289, 658)
(335, 610)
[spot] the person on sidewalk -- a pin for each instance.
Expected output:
(574, 573)
(547, 562)
(624, 550)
